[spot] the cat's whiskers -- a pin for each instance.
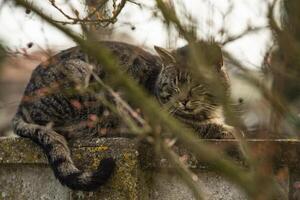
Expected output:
(174, 110)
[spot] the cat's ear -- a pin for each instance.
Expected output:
(165, 55)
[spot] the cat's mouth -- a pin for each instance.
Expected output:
(180, 108)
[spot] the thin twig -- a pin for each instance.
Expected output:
(87, 20)
(248, 31)
(182, 170)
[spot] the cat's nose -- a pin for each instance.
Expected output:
(184, 102)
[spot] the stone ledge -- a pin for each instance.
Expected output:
(24, 170)
(20, 150)
(23, 165)
(15, 150)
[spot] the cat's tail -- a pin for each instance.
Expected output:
(56, 148)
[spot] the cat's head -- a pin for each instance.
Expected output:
(176, 86)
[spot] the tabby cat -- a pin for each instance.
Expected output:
(192, 101)
(54, 110)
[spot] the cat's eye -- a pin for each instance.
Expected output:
(195, 88)
(209, 95)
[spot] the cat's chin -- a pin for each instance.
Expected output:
(190, 122)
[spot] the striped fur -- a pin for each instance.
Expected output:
(55, 109)
(56, 148)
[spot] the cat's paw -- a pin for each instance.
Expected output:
(229, 132)
(225, 134)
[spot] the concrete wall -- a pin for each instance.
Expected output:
(24, 173)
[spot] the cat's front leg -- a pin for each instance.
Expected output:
(215, 131)
(227, 132)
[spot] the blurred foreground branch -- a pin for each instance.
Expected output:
(255, 184)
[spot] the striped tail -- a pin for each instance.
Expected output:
(59, 157)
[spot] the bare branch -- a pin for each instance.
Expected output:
(247, 31)
(87, 20)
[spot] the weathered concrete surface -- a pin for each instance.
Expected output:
(167, 186)
(30, 182)
(24, 173)
(28, 170)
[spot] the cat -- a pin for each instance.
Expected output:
(192, 102)
(54, 110)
